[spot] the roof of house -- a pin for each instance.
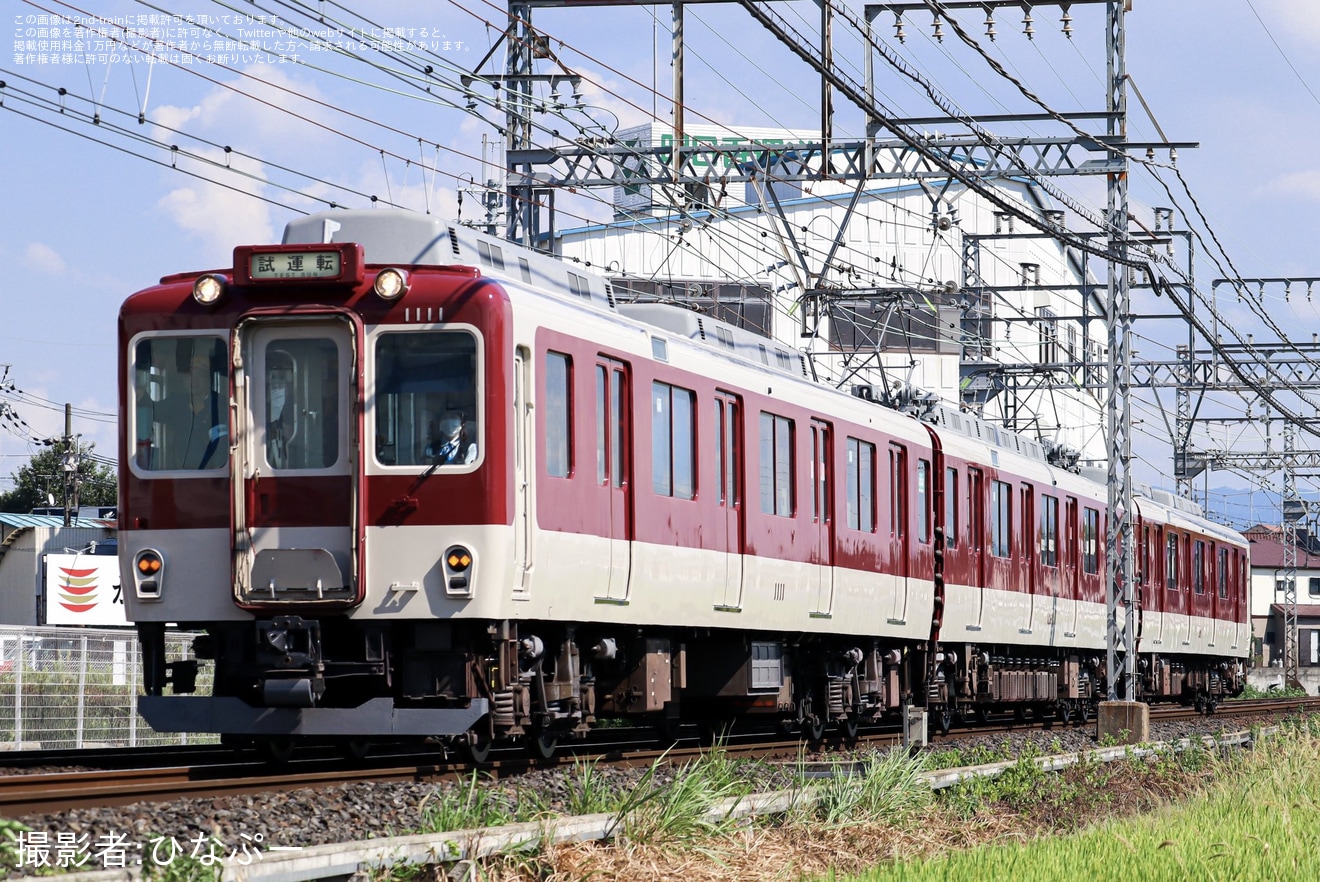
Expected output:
(1269, 556)
(14, 521)
(1304, 610)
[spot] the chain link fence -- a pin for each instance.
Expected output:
(77, 687)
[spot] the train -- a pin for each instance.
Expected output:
(408, 480)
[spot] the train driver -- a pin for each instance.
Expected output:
(452, 441)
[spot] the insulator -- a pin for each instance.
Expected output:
(939, 30)
(531, 647)
(605, 649)
(990, 25)
(1067, 22)
(898, 27)
(1026, 24)
(853, 655)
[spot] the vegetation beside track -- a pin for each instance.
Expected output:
(1174, 816)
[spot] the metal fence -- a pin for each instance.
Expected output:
(78, 687)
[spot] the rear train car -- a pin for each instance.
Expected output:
(410, 480)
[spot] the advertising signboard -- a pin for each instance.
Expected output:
(83, 589)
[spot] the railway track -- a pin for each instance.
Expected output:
(213, 773)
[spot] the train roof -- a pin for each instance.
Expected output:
(393, 237)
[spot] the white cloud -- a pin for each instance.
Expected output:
(223, 216)
(1302, 185)
(44, 259)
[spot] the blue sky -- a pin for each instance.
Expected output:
(85, 224)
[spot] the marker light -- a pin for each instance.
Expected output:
(458, 558)
(148, 576)
(209, 288)
(391, 284)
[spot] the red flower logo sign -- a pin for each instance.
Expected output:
(77, 589)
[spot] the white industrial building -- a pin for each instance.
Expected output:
(908, 284)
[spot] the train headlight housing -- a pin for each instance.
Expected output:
(458, 571)
(148, 573)
(209, 288)
(391, 284)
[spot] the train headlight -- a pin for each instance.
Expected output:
(458, 571)
(391, 284)
(209, 288)
(148, 573)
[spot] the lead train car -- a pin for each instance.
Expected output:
(411, 480)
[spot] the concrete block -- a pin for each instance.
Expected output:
(914, 727)
(1127, 722)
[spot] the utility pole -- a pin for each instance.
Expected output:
(70, 462)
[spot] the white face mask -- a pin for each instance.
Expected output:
(276, 402)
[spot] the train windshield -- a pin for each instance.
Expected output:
(426, 399)
(181, 403)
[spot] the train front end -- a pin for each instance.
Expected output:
(316, 480)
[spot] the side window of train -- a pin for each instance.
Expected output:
(673, 441)
(1198, 567)
(776, 465)
(859, 485)
(181, 403)
(1001, 519)
(427, 398)
(1091, 541)
(1049, 531)
(923, 501)
(950, 507)
(1221, 573)
(1171, 560)
(558, 415)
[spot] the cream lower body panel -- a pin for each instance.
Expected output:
(196, 582)
(994, 616)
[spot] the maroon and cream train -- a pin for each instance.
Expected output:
(414, 481)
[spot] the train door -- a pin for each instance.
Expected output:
(1043, 605)
(728, 466)
(976, 562)
(613, 467)
(1071, 558)
(523, 463)
(1223, 609)
(1157, 601)
(822, 514)
(899, 552)
(295, 516)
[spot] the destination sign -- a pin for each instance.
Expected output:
(294, 265)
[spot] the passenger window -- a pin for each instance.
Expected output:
(181, 403)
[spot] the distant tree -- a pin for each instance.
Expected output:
(94, 482)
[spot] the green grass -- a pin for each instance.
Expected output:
(1259, 823)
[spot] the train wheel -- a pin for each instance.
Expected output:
(354, 748)
(1064, 712)
(1199, 703)
(714, 732)
(944, 720)
(813, 731)
(848, 728)
(542, 745)
(666, 731)
(476, 752)
(275, 750)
